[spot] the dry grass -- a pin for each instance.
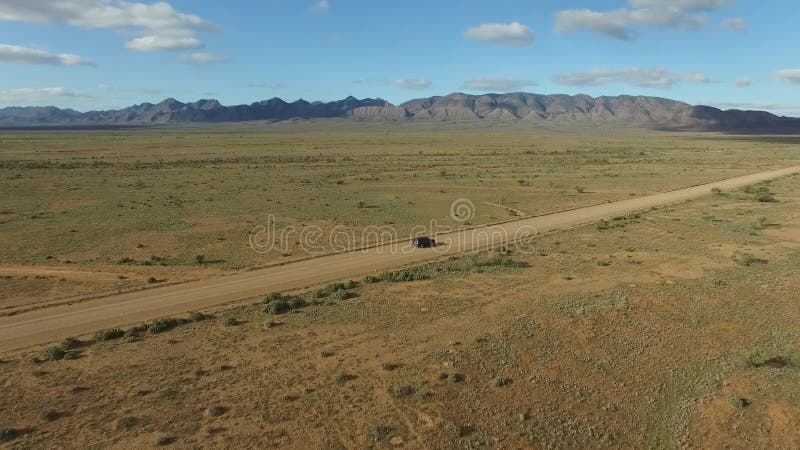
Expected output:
(558, 352)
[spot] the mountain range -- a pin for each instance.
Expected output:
(524, 108)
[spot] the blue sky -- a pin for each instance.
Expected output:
(97, 54)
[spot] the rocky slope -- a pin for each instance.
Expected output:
(628, 111)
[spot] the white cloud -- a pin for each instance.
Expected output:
(650, 78)
(156, 26)
(28, 96)
(17, 54)
(204, 58)
(621, 23)
(688, 5)
(498, 84)
(788, 75)
(512, 34)
(743, 82)
(735, 24)
(646, 78)
(412, 84)
(696, 78)
(153, 43)
(320, 6)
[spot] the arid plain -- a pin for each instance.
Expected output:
(668, 328)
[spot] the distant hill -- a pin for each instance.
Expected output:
(623, 111)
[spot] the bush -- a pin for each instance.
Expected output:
(108, 335)
(387, 366)
(379, 432)
(279, 304)
(341, 294)
(216, 411)
(453, 430)
(126, 260)
(162, 325)
(716, 191)
(8, 434)
(756, 357)
(342, 377)
(200, 259)
(54, 353)
(401, 391)
(370, 279)
(747, 259)
(195, 316)
(230, 321)
(276, 307)
(766, 198)
(500, 382)
(70, 343)
(455, 378)
(738, 402)
(130, 336)
(164, 440)
(48, 415)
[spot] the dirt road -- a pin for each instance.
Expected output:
(45, 325)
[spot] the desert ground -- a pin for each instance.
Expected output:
(674, 327)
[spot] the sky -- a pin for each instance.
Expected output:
(101, 54)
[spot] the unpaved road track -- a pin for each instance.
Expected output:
(44, 325)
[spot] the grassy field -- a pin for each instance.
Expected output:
(674, 328)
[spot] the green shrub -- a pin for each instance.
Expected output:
(343, 377)
(54, 353)
(8, 434)
(276, 304)
(500, 382)
(163, 440)
(70, 343)
(756, 357)
(379, 432)
(747, 259)
(341, 294)
(216, 410)
(276, 307)
(453, 430)
(195, 316)
(200, 259)
(401, 391)
(48, 415)
(370, 279)
(738, 402)
(162, 325)
(130, 336)
(766, 198)
(108, 335)
(455, 377)
(387, 366)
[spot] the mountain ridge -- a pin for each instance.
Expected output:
(520, 107)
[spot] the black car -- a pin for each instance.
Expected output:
(424, 242)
